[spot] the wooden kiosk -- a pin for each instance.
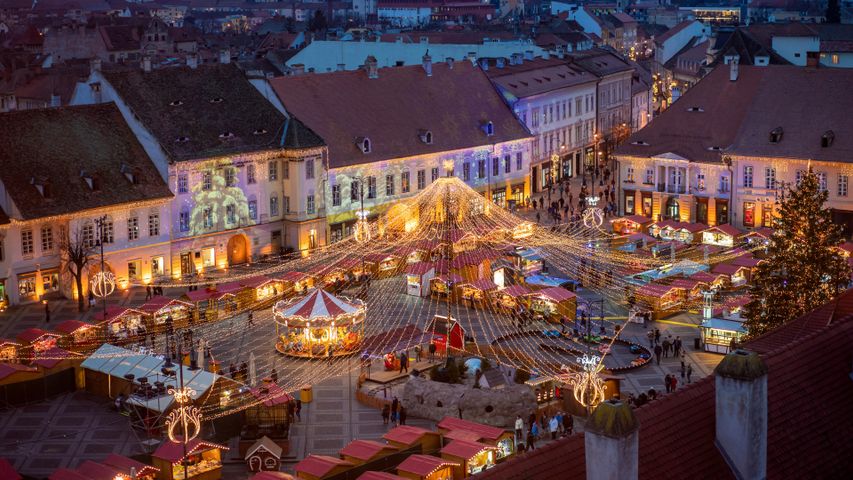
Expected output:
(203, 460)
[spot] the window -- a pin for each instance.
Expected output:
(650, 176)
(133, 269)
(629, 204)
(309, 169)
(799, 176)
(185, 221)
(253, 209)
(87, 234)
(700, 181)
(519, 160)
(206, 180)
(835, 59)
(405, 184)
(748, 214)
(371, 187)
(153, 224)
(507, 164)
(208, 217)
(183, 183)
(286, 204)
(578, 105)
(208, 257)
(434, 173)
(108, 231)
(274, 205)
(46, 239)
(133, 228)
(310, 204)
(496, 166)
(230, 177)
(250, 173)
(157, 264)
(629, 175)
(231, 214)
(747, 176)
(821, 177)
(389, 185)
(767, 218)
(842, 185)
(421, 179)
(466, 171)
(27, 246)
(336, 195)
(481, 169)
(724, 186)
(770, 177)
(353, 191)
(272, 173)
(285, 165)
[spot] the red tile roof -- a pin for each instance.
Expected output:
(555, 294)
(7, 369)
(159, 302)
(365, 449)
(808, 361)
(320, 465)
(174, 452)
(70, 326)
(124, 464)
(407, 434)
(465, 449)
(539, 76)
(485, 431)
(32, 334)
(391, 110)
(423, 465)
(420, 268)
(515, 291)
(379, 476)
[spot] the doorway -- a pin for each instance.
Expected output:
(238, 250)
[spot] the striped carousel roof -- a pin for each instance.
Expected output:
(319, 304)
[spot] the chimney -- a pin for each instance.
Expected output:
(225, 56)
(298, 68)
(500, 62)
(372, 67)
(741, 411)
(733, 69)
(484, 64)
(192, 60)
(427, 62)
(612, 442)
(95, 65)
(528, 55)
(55, 100)
(146, 64)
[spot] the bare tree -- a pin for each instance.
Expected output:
(77, 253)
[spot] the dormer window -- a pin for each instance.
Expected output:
(489, 128)
(776, 135)
(132, 174)
(42, 185)
(364, 144)
(640, 143)
(182, 139)
(695, 109)
(175, 103)
(715, 148)
(217, 100)
(260, 131)
(827, 138)
(425, 136)
(226, 136)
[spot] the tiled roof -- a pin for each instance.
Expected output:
(320, 465)
(660, 39)
(808, 361)
(59, 144)
(365, 449)
(423, 465)
(392, 110)
(379, 476)
(191, 112)
(485, 431)
(601, 62)
(539, 76)
(406, 434)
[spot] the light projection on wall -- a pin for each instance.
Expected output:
(218, 203)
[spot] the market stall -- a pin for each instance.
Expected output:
(121, 323)
(419, 277)
(295, 282)
(128, 466)
(553, 303)
(716, 281)
(759, 237)
(679, 231)
(359, 452)
(544, 389)
(661, 300)
(321, 467)
(264, 289)
(426, 467)
(724, 235)
(471, 457)
(502, 440)
(319, 324)
(159, 309)
(630, 224)
(77, 335)
(719, 334)
(331, 277)
(444, 285)
(474, 264)
(407, 437)
(511, 298)
(386, 264)
(692, 286)
(35, 340)
(541, 282)
(528, 261)
(8, 350)
(203, 460)
(732, 308)
(737, 276)
(445, 332)
(212, 303)
(477, 293)
(632, 242)
(266, 416)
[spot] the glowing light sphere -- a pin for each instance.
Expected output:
(361, 231)
(103, 284)
(593, 217)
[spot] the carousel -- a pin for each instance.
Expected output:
(319, 325)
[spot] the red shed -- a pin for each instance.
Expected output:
(446, 332)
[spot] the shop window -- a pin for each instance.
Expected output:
(157, 266)
(722, 212)
(208, 257)
(749, 214)
(672, 208)
(629, 203)
(50, 282)
(27, 286)
(133, 269)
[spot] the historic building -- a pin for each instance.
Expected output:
(722, 153)
(390, 132)
(226, 152)
(73, 175)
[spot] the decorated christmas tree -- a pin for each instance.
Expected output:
(804, 268)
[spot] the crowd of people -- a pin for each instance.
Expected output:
(394, 413)
(562, 209)
(543, 427)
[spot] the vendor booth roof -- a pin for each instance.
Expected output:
(196, 296)
(763, 232)
(545, 281)
(348, 263)
(731, 303)
(52, 357)
(449, 278)
(407, 434)
(114, 312)
(174, 452)
(320, 304)
(124, 464)
(687, 283)
(482, 284)
(7, 472)
(268, 444)
(271, 395)
(371, 475)
(5, 341)
(747, 261)
(423, 465)
(7, 369)
(723, 324)
(159, 302)
(655, 290)
(485, 431)
(726, 229)
(256, 282)
(727, 269)
(118, 362)
(320, 465)
(380, 257)
(230, 287)
(705, 277)
(442, 265)
(555, 294)
(686, 226)
(96, 471)
(464, 435)
(30, 335)
(640, 236)
(271, 475)
(292, 276)
(465, 449)
(420, 268)
(365, 449)
(474, 257)
(70, 326)
(515, 291)
(633, 218)
(66, 474)
(393, 340)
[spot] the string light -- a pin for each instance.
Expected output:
(587, 387)
(103, 284)
(186, 419)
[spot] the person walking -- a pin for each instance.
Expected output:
(674, 382)
(665, 346)
(386, 413)
(404, 361)
(531, 439)
(553, 425)
(677, 346)
(250, 319)
(651, 337)
(658, 351)
(402, 415)
(432, 349)
(519, 429)
(683, 370)
(689, 372)
(46, 312)
(568, 423)
(657, 336)
(147, 292)
(298, 409)
(666, 383)
(394, 405)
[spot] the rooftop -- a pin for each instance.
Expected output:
(539, 76)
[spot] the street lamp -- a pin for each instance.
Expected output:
(103, 283)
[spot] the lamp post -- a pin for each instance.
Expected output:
(102, 278)
(183, 423)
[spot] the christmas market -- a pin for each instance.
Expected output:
(319, 325)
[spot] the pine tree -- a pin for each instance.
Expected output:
(803, 269)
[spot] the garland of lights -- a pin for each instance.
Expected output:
(103, 284)
(587, 387)
(183, 424)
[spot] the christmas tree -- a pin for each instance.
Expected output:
(804, 268)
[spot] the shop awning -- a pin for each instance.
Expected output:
(515, 291)
(545, 281)
(555, 294)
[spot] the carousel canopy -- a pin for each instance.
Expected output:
(319, 305)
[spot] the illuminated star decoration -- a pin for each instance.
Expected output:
(593, 217)
(103, 284)
(587, 387)
(184, 423)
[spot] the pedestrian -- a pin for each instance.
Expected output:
(531, 440)
(674, 380)
(291, 411)
(147, 292)
(538, 217)
(531, 419)
(404, 361)
(552, 427)
(250, 319)
(535, 431)
(689, 372)
(232, 371)
(432, 349)
(394, 405)
(683, 370)
(46, 312)
(657, 336)
(651, 337)
(666, 383)
(568, 423)
(330, 353)
(658, 351)
(519, 429)
(418, 352)
(386, 413)
(676, 346)
(92, 299)
(298, 409)
(274, 375)
(666, 346)
(402, 415)
(559, 416)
